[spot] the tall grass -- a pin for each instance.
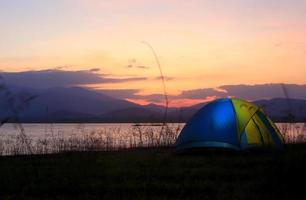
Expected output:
(293, 132)
(115, 138)
(16, 103)
(104, 139)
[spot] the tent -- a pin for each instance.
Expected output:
(230, 123)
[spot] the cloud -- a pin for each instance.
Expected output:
(142, 67)
(120, 93)
(166, 78)
(248, 92)
(133, 96)
(155, 98)
(95, 70)
(266, 91)
(137, 66)
(57, 78)
(134, 64)
(202, 93)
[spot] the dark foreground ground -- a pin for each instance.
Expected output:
(156, 174)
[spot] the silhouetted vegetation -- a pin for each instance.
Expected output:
(155, 173)
(109, 139)
(106, 139)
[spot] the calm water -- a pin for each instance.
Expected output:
(116, 130)
(48, 138)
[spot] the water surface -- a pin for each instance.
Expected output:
(49, 138)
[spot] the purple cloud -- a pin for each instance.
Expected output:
(56, 78)
(248, 92)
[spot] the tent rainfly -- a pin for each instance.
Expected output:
(230, 123)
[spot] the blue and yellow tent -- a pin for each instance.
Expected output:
(230, 123)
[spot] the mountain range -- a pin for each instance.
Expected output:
(76, 104)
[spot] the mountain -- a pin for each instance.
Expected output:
(135, 115)
(65, 116)
(79, 100)
(77, 104)
(284, 110)
(279, 109)
(185, 113)
(56, 104)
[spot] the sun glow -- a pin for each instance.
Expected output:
(199, 43)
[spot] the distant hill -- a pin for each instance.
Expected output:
(77, 104)
(56, 104)
(284, 110)
(279, 109)
(135, 114)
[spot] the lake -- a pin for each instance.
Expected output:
(51, 138)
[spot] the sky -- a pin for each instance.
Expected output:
(199, 43)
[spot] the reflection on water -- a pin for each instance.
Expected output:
(293, 132)
(49, 138)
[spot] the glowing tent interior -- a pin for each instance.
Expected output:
(230, 123)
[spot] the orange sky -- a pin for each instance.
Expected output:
(200, 43)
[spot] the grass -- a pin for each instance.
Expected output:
(104, 139)
(155, 173)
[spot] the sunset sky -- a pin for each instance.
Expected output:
(200, 43)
